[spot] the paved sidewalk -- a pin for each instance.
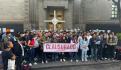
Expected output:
(68, 63)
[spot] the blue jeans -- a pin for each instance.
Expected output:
(74, 55)
(44, 56)
(31, 55)
(54, 56)
(84, 55)
(79, 54)
(100, 52)
(94, 53)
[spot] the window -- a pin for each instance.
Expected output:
(114, 11)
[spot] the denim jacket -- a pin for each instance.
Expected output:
(83, 44)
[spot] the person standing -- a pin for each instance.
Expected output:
(18, 50)
(94, 48)
(7, 54)
(36, 48)
(104, 46)
(31, 50)
(74, 55)
(111, 43)
(84, 47)
(88, 38)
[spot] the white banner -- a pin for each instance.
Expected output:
(60, 47)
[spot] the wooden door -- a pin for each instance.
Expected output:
(59, 16)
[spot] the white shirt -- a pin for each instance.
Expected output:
(88, 38)
(22, 49)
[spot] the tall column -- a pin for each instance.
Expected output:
(68, 15)
(33, 17)
(42, 14)
(76, 11)
(27, 25)
(78, 14)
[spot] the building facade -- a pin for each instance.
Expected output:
(83, 14)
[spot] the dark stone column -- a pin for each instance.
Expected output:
(33, 11)
(76, 12)
(27, 25)
(78, 15)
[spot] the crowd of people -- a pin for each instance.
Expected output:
(27, 47)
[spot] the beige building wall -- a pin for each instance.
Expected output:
(12, 10)
(97, 10)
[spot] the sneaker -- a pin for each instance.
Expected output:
(30, 64)
(86, 60)
(46, 61)
(64, 60)
(60, 60)
(82, 59)
(42, 62)
(35, 63)
(106, 58)
(77, 60)
(71, 60)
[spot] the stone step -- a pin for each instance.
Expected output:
(90, 65)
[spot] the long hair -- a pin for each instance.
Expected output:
(110, 38)
(84, 37)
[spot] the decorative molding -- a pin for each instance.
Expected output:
(57, 3)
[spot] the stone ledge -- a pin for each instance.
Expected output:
(72, 64)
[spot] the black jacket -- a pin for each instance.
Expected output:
(17, 49)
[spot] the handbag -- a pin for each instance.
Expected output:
(11, 64)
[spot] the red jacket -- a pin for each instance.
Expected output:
(31, 44)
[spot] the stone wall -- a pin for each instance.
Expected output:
(69, 16)
(12, 10)
(97, 10)
(77, 12)
(42, 15)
